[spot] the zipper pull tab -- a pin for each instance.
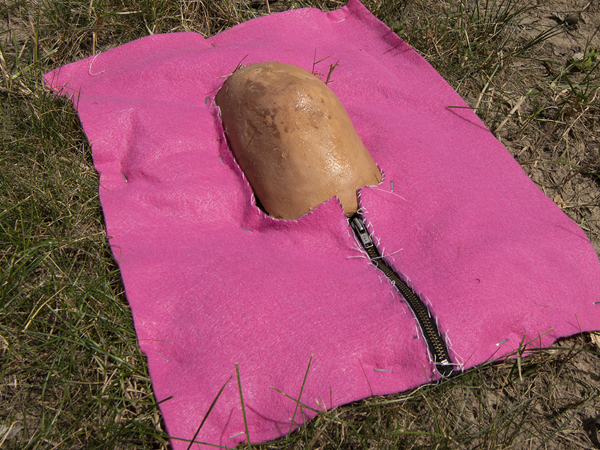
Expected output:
(445, 368)
(358, 225)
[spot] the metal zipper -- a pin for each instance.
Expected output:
(435, 343)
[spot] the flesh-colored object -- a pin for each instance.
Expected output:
(293, 139)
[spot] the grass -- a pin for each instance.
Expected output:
(71, 374)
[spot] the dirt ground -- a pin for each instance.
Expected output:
(565, 161)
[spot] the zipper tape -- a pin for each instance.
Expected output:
(435, 342)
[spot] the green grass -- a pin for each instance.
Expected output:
(71, 373)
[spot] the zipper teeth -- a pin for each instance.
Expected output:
(434, 340)
(416, 304)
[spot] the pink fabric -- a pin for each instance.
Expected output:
(213, 282)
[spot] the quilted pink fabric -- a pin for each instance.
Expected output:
(296, 305)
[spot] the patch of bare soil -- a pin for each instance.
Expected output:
(555, 135)
(556, 393)
(543, 104)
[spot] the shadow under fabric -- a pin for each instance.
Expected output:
(214, 282)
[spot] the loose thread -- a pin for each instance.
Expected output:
(90, 68)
